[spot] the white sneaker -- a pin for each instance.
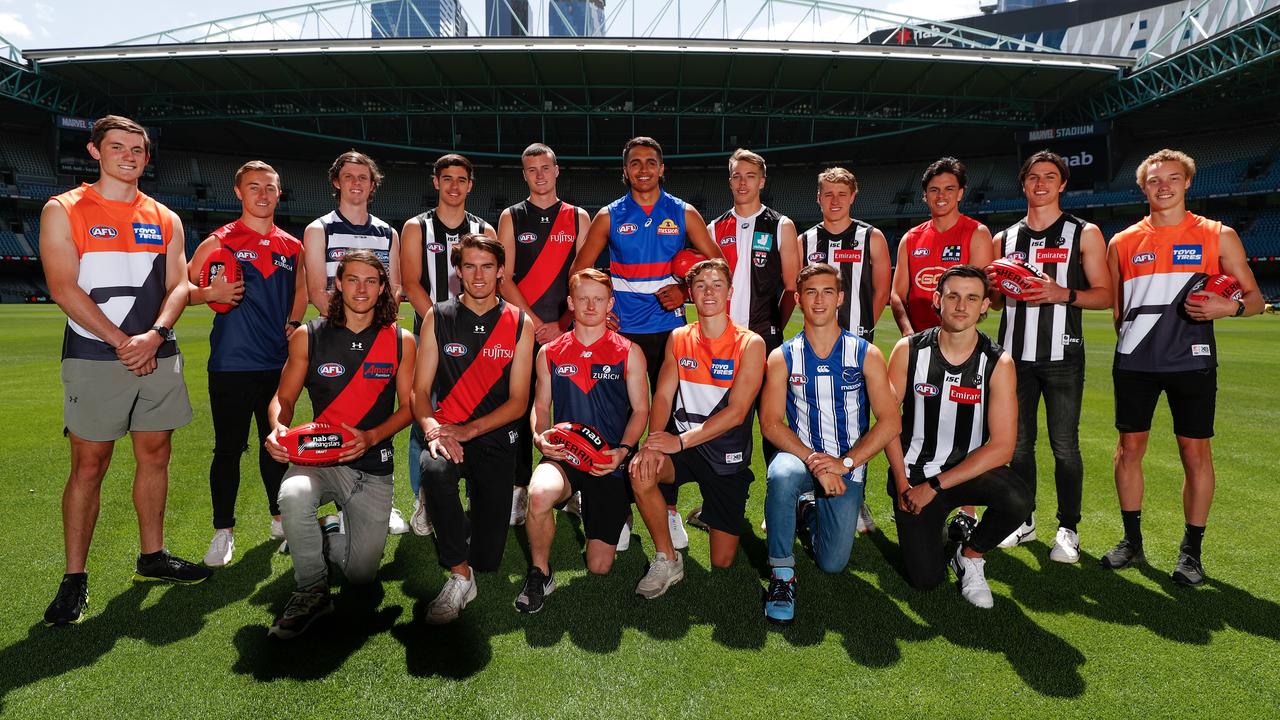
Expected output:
(624, 540)
(453, 597)
(679, 538)
(573, 505)
(1025, 533)
(662, 574)
(221, 548)
(396, 524)
(420, 521)
(970, 575)
(866, 525)
(277, 529)
(1066, 546)
(764, 525)
(519, 505)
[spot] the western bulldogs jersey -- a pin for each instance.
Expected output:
(641, 245)
(850, 253)
(827, 406)
(341, 236)
(351, 378)
(475, 354)
(1159, 267)
(438, 239)
(929, 253)
(750, 246)
(707, 368)
(251, 336)
(1038, 333)
(944, 413)
(546, 239)
(589, 383)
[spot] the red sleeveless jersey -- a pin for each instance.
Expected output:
(929, 253)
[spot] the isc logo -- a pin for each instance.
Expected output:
(103, 232)
(455, 349)
(330, 370)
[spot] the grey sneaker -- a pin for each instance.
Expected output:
(1124, 554)
(304, 608)
(663, 573)
(453, 597)
(972, 579)
(1188, 571)
(866, 524)
(420, 521)
(221, 548)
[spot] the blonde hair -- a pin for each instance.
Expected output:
(1166, 155)
(838, 175)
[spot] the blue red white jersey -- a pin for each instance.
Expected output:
(707, 369)
(589, 383)
(641, 245)
(827, 406)
(251, 336)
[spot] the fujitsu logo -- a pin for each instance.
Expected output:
(498, 352)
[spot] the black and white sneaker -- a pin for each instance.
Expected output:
(1124, 554)
(694, 520)
(304, 608)
(1188, 571)
(806, 506)
(537, 587)
(961, 527)
(71, 602)
(170, 568)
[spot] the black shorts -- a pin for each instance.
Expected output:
(606, 501)
(724, 497)
(652, 346)
(1192, 399)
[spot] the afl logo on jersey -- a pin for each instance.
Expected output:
(728, 240)
(926, 389)
(668, 227)
(627, 228)
(797, 379)
(330, 370)
(1143, 258)
(246, 255)
(454, 349)
(817, 257)
(527, 238)
(566, 370)
(103, 232)
(688, 363)
(927, 278)
(920, 252)
(435, 247)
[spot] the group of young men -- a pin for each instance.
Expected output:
(517, 331)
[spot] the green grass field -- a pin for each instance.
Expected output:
(1061, 641)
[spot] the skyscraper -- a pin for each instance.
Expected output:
(506, 17)
(417, 18)
(580, 18)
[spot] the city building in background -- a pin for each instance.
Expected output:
(417, 18)
(578, 18)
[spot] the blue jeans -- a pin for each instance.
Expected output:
(1062, 385)
(834, 525)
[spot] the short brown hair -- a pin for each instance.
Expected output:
(479, 242)
(452, 160)
(838, 175)
(1045, 156)
(107, 123)
(592, 274)
(811, 271)
(1166, 155)
(255, 166)
(944, 165)
(743, 155)
(538, 150)
(357, 158)
(716, 264)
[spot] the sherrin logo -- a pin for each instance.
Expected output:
(926, 389)
(103, 232)
(668, 227)
(627, 228)
(246, 255)
(330, 370)
(1143, 258)
(528, 237)
(454, 349)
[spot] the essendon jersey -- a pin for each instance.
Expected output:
(707, 368)
(351, 378)
(251, 337)
(929, 253)
(475, 355)
(750, 246)
(1158, 268)
(850, 253)
(944, 413)
(438, 239)
(342, 236)
(827, 405)
(1048, 332)
(545, 243)
(589, 383)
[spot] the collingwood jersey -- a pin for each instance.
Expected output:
(850, 253)
(438, 239)
(1036, 333)
(827, 401)
(342, 236)
(750, 246)
(944, 413)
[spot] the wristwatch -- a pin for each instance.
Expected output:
(1239, 309)
(933, 483)
(165, 333)
(847, 462)
(1071, 296)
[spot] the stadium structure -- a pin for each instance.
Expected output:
(807, 84)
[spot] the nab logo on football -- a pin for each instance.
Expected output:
(688, 363)
(927, 278)
(527, 238)
(1143, 258)
(455, 349)
(330, 370)
(627, 228)
(103, 232)
(246, 255)
(566, 370)
(435, 247)
(926, 389)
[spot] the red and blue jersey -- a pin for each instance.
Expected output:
(589, 383)
(641, 245)
(251, 336)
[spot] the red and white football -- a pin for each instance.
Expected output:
(583, 445)
(1010, 277)
(1224, 285)
(315, 444)
(684, 261)
(220, 262)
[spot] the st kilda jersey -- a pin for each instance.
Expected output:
(929, 253)
(342, 236)
(545, 242)
(1048, 332)
(750, 246)
(351, 378)
(944, 412)
(475, 354)
(589, 383)
(707, 368)
(850, 253)
(438, 239)
(251, 336)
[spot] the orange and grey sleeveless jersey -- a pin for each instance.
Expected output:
(707, 368)
(1159, 266)
(122, 248)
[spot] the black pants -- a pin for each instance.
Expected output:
(524, 449)
(1062, 385)
(920, 537)
(489, 464)
(234, 399)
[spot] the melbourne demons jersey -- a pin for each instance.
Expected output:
(1159, 266)
(545, 243)
(757, 285)
(122, 248)
(929, 253)
(341, 237)
(589, 383)
(1038, 333)
(351, 378)
(251, 336)
(475, 354)
(707, 368)
(827, 406)
(438, 239)
(944, 414)
(641, 245)
(850, 253)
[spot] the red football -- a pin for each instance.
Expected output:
(683, 261)
(1010, 277)
(583, 445)
(315, 444)
(1224, 285)
(219, 262)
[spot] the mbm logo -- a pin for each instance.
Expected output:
(330, 370)
(455, 349)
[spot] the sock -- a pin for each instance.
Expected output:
(85, 575)
(1191, 540)
(1132, 526)
(1068, 525)
(150, 556)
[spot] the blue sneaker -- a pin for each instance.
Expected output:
(780, 600)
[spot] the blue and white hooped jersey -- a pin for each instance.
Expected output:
(827, 404)
(641, 246)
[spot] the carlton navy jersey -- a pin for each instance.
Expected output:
(252, 335)
(342, 236)
(641, 245)
(546, 239)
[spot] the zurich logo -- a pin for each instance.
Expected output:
(330, 370)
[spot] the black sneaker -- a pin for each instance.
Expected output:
(1188, 571)
(71, 602)
(1124, 554)
(536, 588)
(961, 527)
(805, 508)
(170, 568)
(304, 608)
(694, 519)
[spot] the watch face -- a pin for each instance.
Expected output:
(847, 462)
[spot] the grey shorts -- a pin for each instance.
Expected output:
(102, 400)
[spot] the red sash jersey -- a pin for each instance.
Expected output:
(757, 283)
(351, 378)
(929, 253)
(707, 368)
(251, 337)
(475, 354)
(589, 383)
(545, 243)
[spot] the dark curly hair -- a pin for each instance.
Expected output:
(385, 312)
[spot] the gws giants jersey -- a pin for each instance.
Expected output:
(850, 253)
(707, 368)
(1038, 333)
(750, 246)
(827, 406)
